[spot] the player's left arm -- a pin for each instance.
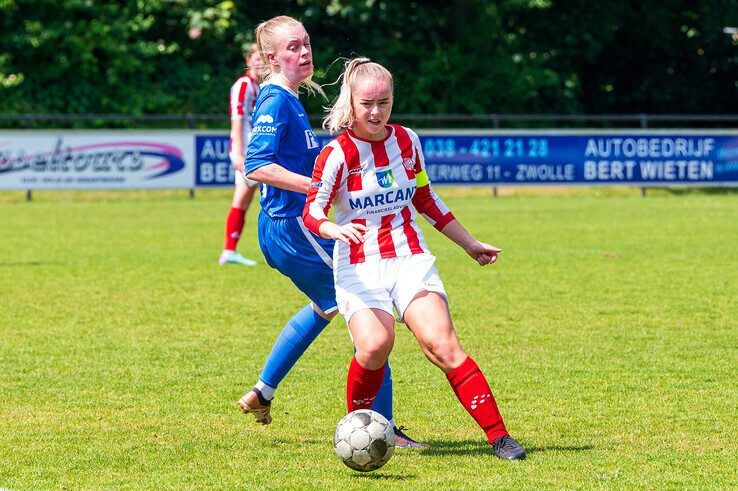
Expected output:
(432, 207)
(481, 252)
(425, 199)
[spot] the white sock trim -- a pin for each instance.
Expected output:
(266, 391)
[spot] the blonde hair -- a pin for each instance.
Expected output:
(266, 40)
(341, 114)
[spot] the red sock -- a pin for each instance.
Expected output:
(473, 391)
(234, 226)
(362, 385)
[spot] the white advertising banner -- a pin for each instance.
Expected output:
(88, 159)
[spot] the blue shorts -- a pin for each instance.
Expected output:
(306, 259)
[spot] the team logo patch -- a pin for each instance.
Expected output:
(264, 118)
(310, 139)
(408, 163)
(385, 178)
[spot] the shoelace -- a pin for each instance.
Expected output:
(399, 430)
(504, 442)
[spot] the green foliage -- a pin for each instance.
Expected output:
(461, 56)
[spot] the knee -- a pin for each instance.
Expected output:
(445, 354)
(373, 351)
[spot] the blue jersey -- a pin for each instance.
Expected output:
(281, 134)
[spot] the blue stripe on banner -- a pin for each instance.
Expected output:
(590, 157)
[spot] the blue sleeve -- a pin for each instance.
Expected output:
(270, 122)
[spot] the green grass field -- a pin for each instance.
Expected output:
(608, 331)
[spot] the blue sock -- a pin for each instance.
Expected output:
(383, 402)
(294, 339)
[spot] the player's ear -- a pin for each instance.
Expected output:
(271, 58)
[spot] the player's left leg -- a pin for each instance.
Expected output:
(243, 195)
(428, 318)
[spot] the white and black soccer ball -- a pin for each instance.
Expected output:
(364, 440)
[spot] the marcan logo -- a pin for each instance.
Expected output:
(385, 178)
(264, 118)
(408, 163)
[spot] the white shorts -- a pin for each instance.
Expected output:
(384, 283)
(240, 176)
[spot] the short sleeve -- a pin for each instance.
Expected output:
(269, 123)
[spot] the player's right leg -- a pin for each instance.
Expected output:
(373, 333)
(243, 195)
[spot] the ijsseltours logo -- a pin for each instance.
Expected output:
(147, 160)
(385, 178)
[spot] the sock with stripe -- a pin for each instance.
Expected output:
(472, 389)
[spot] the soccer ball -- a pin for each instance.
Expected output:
(364, 440)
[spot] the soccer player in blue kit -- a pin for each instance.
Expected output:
(280, 156)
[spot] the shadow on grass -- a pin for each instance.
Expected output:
(560, 448)
(701, 190)
(379, 476)
(472, 447)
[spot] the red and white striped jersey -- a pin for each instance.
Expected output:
(242, 101)
(374, 183)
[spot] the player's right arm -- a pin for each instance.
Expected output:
(328, 175)
(270, 121)
(237, 110)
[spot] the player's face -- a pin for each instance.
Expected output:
(372, 106)
(293, 58)
(255, 65)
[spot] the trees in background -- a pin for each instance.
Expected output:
(459, 56)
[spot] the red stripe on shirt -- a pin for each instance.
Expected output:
(384, 237)
(406, 150)
(311, 222)
(353, 163)
(380, 154)
(356, 251)
(241, 96)
(425, 203)
(412, 236)
(334, 190)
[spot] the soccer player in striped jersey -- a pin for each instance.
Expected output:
(242, 100)
(281, 155)
(373, 175)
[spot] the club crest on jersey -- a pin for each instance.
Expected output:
(310, 139)
(385, 178)
(408, 163)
